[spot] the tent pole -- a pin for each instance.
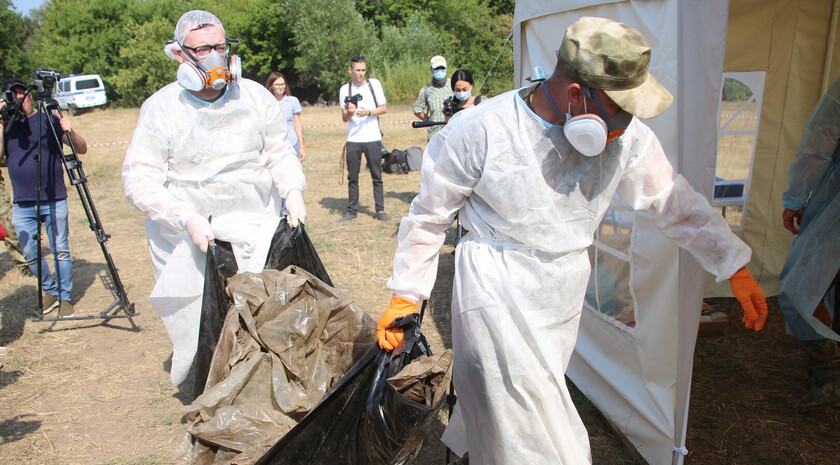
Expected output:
(830, 41)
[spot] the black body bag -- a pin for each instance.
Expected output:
(362, 420)
(289, 246)
(394, 427)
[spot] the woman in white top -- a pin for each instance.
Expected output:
(290, 106)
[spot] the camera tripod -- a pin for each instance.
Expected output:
(120, 307)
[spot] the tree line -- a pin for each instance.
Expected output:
(310, 41)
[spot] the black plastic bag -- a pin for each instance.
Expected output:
(221, 265)
(329, 433)
(291, 246)
(363, 420)
(394, 427)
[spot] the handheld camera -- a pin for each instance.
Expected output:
(354, 99)
(451, 106)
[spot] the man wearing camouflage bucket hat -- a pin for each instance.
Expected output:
(530, 174)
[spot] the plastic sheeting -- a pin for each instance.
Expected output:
(370, 420)
(290, 246)
(287, 339)
(406, 393)
(296, 378)
(221, 264)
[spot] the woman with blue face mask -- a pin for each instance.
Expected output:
(462, 85)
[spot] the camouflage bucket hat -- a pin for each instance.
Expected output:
(604, 54)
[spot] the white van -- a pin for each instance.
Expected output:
(79, 91)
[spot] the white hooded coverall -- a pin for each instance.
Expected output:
(531, 204)
(229, 159)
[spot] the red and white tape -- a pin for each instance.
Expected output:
(305, 127)
(108, 143)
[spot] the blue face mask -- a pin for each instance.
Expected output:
(439, 73)
(463, 96)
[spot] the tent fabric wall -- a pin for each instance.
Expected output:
(640, 378)
(786, 39)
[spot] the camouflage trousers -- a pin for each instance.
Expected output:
(12, 244)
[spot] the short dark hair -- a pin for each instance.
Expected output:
(461, 75)
(358, 59)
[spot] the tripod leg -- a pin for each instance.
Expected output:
(77, 177)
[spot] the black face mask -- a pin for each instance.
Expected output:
(439, 82)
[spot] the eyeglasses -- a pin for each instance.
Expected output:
(357, 59)
(203, 50)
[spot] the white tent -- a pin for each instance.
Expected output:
(635, 348)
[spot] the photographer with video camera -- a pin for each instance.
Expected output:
(362, 102)
(34, 160)
(462, 84)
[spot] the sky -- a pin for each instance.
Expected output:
(23, 6)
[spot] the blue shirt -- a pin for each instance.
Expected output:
(290, 106)
(22, 148)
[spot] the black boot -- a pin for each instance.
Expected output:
(822, 360)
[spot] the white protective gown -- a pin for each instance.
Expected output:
(229, 159)
(531, 204)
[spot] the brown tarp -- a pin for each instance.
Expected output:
(287, 339)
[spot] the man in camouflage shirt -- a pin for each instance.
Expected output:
(429, 103)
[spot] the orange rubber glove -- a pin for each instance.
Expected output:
(751, 297)
(389, 336)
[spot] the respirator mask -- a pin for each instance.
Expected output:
(588, 133)
(214, 72)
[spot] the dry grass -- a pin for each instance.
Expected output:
(79, 392)
(82, 393)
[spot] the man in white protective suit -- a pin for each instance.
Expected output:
(530, 174)
(209, 159)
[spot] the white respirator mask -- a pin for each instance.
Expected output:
(588, 133)
(215, 72)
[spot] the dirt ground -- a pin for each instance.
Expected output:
(82, 392)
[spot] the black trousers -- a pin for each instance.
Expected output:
(373, 153)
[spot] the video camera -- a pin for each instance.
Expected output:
(41, 88)
(354, 99)
(451, 106)
(43, 82)
(11, 108)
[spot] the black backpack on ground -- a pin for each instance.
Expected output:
(395, 162)
(402, 161)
